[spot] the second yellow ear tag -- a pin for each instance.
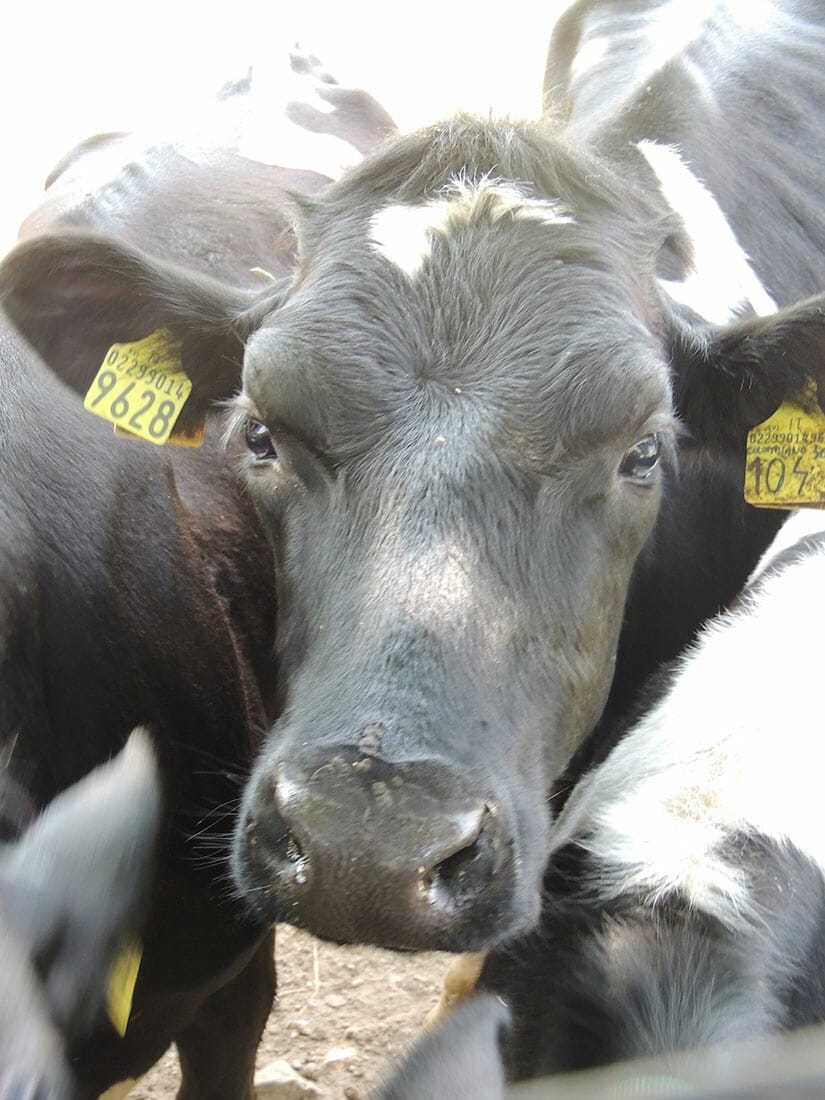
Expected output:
(141, 387)
(121, 984)
(785, 464)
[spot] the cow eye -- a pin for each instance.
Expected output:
(641, 460)
(259, 441)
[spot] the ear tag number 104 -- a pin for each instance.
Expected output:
(141, 387)
(785, 465)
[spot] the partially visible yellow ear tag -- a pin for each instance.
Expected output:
(141, 387)
(120, 987)
(785, 463)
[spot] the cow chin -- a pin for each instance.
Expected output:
(401, 855)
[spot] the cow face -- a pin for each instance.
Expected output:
(458, 485)
(459, 426)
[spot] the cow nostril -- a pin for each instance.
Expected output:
(457, 880)
(277, 848)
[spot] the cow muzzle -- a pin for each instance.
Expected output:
(358, 849)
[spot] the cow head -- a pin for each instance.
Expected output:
(460, 429)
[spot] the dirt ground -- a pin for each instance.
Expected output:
(343, 1015)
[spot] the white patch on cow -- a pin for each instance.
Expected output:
(278, 141)
(669, 32)
(589, 56)
(732, 748)
(267, 135)
(499, 199)
(804, 521)
(403, 234)
(665, 32)
(722, 282)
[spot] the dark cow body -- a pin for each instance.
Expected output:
(127, 604)
(486, 408)
(135, 587)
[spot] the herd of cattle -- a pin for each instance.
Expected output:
(461, 635)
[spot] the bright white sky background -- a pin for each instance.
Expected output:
(72, 69)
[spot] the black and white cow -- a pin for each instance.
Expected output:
(464, 416)
(72, 896)
(135, 587)
(685, 895)
(722, 100)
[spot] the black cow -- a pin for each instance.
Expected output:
(128, 603)
(464, 415)
(135, 587)
(72, 885)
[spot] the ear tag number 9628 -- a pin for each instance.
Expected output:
(141, 387)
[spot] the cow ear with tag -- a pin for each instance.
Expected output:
(74, 295)
(729, 379)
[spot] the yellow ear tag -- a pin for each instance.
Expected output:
(120, 987)
(785, 463)
(141, 387)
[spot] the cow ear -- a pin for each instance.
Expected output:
(729, 379)
(74, 294)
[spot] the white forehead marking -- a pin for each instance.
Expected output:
(722, 281)
(403, 234)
